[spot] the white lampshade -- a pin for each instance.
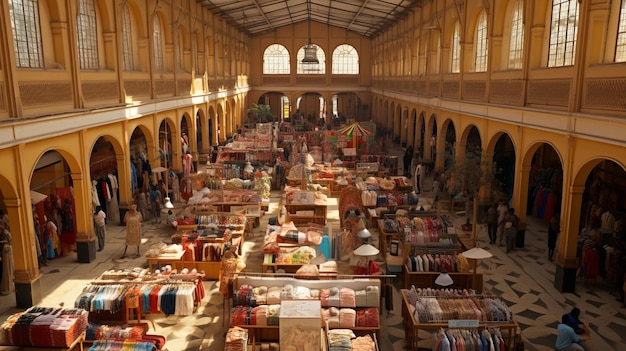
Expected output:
(476, 253)
(168, 203)
(444, 279)
(337, 162)
(364, 234)
(366, 250)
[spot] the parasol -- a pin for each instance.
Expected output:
(354, 131)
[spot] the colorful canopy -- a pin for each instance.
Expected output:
(354, 129)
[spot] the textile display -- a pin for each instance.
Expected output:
(171, 293)
(236, 339)
(44, 326)
(438, 309)
(455, 339)
(121, 345)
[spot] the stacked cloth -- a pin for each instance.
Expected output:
(44, 326)
(340, 339)
(236, 339)
(363, 343)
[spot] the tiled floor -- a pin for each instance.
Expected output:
(523, 278)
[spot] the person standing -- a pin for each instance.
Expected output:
(7, 285)
(418, 176)
(502, 210)
(511, 221)
(436, 190)
(492, 224)
(553, 232)
(408, 157)
(133, 220)
(566, 338)
(155, 198)
(142, 204)
(99, 218)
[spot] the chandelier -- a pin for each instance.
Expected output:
(310, 50)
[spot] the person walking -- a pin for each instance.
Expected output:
(492, 224)
(142, 204)
(408, 157)
(511, 221)
(418, 176)
(156, 199)
(133, 220)
(99, 218)
(554, 229)
(502, 210)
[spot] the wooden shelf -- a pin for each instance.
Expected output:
(412, 327)
(427, 280)
(318, 215)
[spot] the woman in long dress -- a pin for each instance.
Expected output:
(133, 220)
(6, 285)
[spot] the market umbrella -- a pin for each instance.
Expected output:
(354, 131)
(37, 197)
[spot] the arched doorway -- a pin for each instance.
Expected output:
(56, 214)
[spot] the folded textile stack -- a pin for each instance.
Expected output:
(347, 297)
(44, 326)
(373, 296)
(340, 339)
(363, 343)
(367, 317)
(347, 318)
(236, 339)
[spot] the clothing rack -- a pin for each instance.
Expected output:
(103, 167)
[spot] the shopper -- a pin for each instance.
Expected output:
(156, 199)
(142, 204)
(511, 221)
(99, 218)
(419, 170)
(7, 268)
(133, 220)
(554, 229)
(574, 321)
(492, 223)
(408, 157)
(566, 338)
(502, 209)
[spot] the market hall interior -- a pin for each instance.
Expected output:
(77, 107)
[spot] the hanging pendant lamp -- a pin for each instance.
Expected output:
(310, 50)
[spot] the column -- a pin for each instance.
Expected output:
(27, 276)
(85, 236)
(567, 261)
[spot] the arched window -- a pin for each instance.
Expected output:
(26, 33)
(276, 60)
(157, 43)
(312, 68)
(87, 35)
(455, 59)
(481, 43)
(516, 45)
(620, 47)
(127, 41)
(563, 30)
(345, 60)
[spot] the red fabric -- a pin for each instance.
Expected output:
(367, 317)
(154, 299)
(591, 261)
